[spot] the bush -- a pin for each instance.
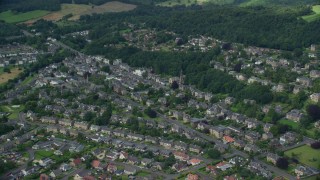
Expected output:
(316, 145)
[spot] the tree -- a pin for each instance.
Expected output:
(150, 112)
(316, 145)
(213, 153)
(282, 163)
(313, 111)
(89, 116)
(174, 85)
(169, 161)
(237, 67)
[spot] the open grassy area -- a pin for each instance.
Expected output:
(11, 17)
(43, 154)
(306, 155)
(191, 2)
(4, 77)
(143, 174)
(82, 9)
(292, 124)
(314, 16)
(13, 110)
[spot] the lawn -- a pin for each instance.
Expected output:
(314, 16)
(191, 2)
(4, 77)
(143, 174)
(306, 155)
(82, 9)
(11, 17)
(292, 124)
(43, 154)
(13, 110)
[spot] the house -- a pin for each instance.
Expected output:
(123, 155)
(95, 128)
(239, 143)
(223, 166)
(135, 137)
(44, 177)
(195, 148)
(314, 74)
(65, 122)
(129, 170)
(302, 171)
(50, 120)
(76, 162)
(317, 124)
(221, 147)
(251, 148)
(237, 160)
(180, 146)
(81, 125)
(96, 164)
(267, 127)
(211, 169)
(194, 161)
(150, 139)
(106, 130)
(304, 81)
(65, 167)
(315, 97)
(180, 156)
(111, 168)
(146, 162)
(217, 131)
(166, 144)
(252, 136)
(112, 156)
(266, 136)
(158, 166)
(273, 158)
(45, 162)
(140, 147)
(180, 166)
(191, 176)
(99, 153)
(294, 115)
(288, 138)
(165, 153)
(228, 139)
(133, 160)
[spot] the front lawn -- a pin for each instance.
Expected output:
(306, 155)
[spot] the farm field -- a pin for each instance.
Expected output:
(315, 16)
(4, 77)
(11, 17)
(81, 9)
(191, 2)
(306, 155)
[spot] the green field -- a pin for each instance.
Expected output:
(313, 17)
(306, 155)
(13, 110)
(43, 154)
(292, 124)
(11, 17)
(191, 2)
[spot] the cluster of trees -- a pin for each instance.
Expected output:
(8, 30)
(30, 5)
(260, 26)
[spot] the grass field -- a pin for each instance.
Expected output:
(191, 2)
(13, 110)
(4, 77)
(290, 123)
(315, 16)
(306, 155)
(81, 9)
(10, 17)
(43, 154)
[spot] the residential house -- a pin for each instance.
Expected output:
(288, 138)
(223, 166)
(180, 166)
(195, 148)
(315, 97)
(180, 156)
(191, 176)
(273, 158)
(99, 153)
(129, 170)
(81, 125)
(302, 171)
(194, 161)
